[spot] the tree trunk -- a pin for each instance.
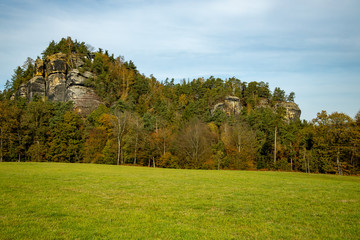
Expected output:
(275, 145)
(118, 152)
(1, 144)
(38, 151)
(136, 140)
(120, 129)
(154, 162)
(135, 152)
(291, 158)
(164, 147)
(340, 172)
(305, 163)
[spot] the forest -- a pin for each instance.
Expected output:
(147, 122)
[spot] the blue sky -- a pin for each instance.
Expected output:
(311, 47)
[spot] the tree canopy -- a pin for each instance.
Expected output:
(148, 122)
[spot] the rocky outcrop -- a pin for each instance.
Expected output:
(22, 92)
(39, 68)
(231, 106)
(84, 98)
(293, 111)
(263, 102)
(56, 80)
(56, 63)
(36, 86)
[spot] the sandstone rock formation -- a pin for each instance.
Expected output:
(231, 106)
(293, 111)
(56, 80)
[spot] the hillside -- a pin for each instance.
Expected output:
(79, 105)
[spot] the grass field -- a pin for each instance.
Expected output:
(86, 201)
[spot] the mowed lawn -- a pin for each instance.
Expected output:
(87, 201)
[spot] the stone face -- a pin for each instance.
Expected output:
(39, 68)
(56, 86)
(85, 99)
(55, 64)
(36, 86)
(76, 61)
(230, 106)
(293, 111)
(74, 77)
(22, 92)
(56, 80)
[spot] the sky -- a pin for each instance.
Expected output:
(310, 47)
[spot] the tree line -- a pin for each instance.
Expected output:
(148, 122)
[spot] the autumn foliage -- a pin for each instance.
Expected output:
(148, 122)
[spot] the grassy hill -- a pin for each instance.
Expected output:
(86, 201)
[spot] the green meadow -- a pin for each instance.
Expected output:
(88, 201)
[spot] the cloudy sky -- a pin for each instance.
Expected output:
(311, 47)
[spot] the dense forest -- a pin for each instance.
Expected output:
(143, 121)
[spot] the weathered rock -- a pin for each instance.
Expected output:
(55, 63)
(22, 92)
(39, 67)
(36, 86)
(74, 77)
(293, 111)
(85, 99)
(56, 86)
(76, 61)
(220, 106)
(263, 102)
(232, 105)
(58, 79)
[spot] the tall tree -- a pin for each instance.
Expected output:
(120, 122)
(193, 144)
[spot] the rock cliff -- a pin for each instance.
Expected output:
(232, 106)
(293, 111)
(59, 79)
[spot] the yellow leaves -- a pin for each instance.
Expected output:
(107, 120)
(213, 128)
(182, 100)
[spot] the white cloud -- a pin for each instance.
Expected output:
(278, 41)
